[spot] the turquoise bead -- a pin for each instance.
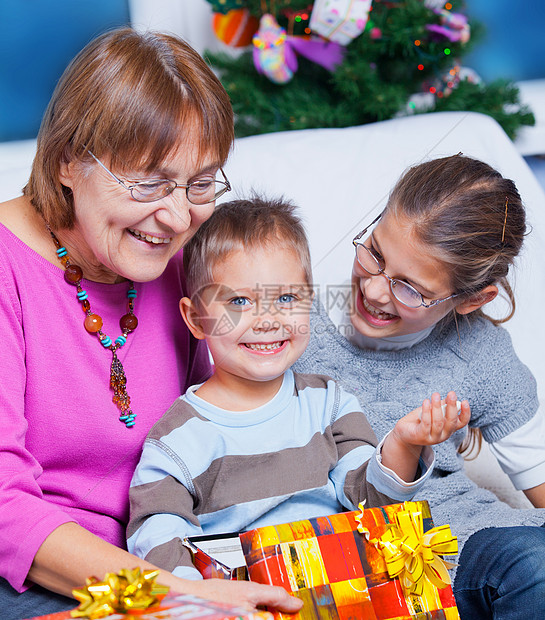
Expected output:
(82, 295)
(128, 419)
(106, 342)
(121, 340)
(131, 293)
(62, 252)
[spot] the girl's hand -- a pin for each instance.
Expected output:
(424, 426)
(428, 425)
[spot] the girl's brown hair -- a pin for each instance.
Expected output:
(136, 97)
(471, 215)
(474, 219)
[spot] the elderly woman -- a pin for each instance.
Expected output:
(94, 350)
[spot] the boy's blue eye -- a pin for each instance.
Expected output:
(239, 301)
(286, 299)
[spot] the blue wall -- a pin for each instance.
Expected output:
(513, 46)
(38, 39)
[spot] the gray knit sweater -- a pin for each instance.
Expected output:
(477, 361)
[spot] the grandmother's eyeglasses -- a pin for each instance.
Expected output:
(372, 265)
(199, 192)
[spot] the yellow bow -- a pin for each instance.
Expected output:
(121, 592)
(413, 555)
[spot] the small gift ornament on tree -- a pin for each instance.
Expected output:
(434, 4)
(340, 21)
(235, 28)
(275, 51)
(454, 26)
(452, 78)
(272, 57)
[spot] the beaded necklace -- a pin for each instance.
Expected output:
(73, 274)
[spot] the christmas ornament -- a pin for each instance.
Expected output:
(453, 26)
(434, 4)
(272, 57)
(340, 21)
(274, 52)
(236, 28)
(457, 74)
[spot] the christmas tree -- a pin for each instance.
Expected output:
(337, 63)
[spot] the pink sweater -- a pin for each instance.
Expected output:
(64, 455)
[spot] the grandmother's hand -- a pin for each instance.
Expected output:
(247, 594)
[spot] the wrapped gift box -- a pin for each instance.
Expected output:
(340, 21)
(338, 573)
(218, 556)
(182, 607)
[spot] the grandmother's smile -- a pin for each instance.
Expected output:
(149, 238)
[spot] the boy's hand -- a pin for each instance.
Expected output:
(432, 424)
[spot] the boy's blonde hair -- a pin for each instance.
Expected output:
(239, 225)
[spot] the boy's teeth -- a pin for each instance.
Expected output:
(150, 238)
(263, 347)
(375, 312)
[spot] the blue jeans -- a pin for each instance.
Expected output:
(501, 574)
(36, 601)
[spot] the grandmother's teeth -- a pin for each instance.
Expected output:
(150, 238)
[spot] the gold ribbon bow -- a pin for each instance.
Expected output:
(121, 592)
(411, 554)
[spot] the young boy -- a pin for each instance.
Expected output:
(257, 444)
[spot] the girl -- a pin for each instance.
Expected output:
(437, 254)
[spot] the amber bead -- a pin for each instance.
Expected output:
(86, 305)
(128, 322)
(93, 323)
(73, 274)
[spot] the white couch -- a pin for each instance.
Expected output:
(340, 178)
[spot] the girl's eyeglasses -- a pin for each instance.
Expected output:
(402, 291)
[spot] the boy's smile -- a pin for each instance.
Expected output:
(265, 348)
